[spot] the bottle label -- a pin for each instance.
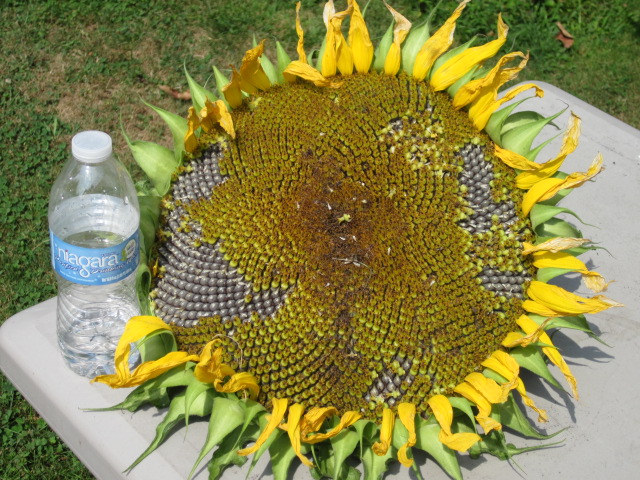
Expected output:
(95, 266)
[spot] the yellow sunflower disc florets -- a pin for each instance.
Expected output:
(352, 247)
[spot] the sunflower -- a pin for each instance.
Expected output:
(349, 254)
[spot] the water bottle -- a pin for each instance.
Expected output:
(94, 220)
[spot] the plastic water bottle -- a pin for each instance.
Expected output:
(94, 220)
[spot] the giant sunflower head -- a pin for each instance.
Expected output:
(352, 238)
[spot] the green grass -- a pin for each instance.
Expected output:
(81, 64)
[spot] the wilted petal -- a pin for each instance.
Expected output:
(386, 432)
(549, 187)
(232, 91)
(455, 68)
(216, 113)
(190, 139)
(480, 114)
(513, 159)
(210, 367)
(313, 419)
(277, 414)
(348, 419)
(293, 429)
(400, 31)
(251, 71)
(554, 245)
(239, 382)
(302, 56)
(526, 180)
(551, 300)
(307, 72)
(437, 44)
(407, 414)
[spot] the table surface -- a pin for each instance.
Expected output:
(603, 437)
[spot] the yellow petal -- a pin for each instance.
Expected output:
(517, 339)
(337, 53)
(484, 91)
(293, 429)
(487, 387)
(407, 414)
(147, 370)
(437, 44)
(455, 68)
(484, 406)
(307, 72)
(555, 245)
(190, 139)
(232, 90)
(514, 160)
(551, 352)
(505, 365)
(348, 419)
(302, 56)
(557, 260)
(386, 432)
(136, 328)
(239, 382)
(313, 419)
(217, 114)
(400, 32)
(251, 71)
(551, 300)
(359, 40)
(443, 411)
(277, 414)
(479, 113)
(549, 187)
(526, 180)
(210, 366)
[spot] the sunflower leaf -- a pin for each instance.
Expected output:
(531, 358)
(269, 69)
(497, 119)
(157, 162)
(549, 273)
(282, 455)
(178, 127)
(510, 415)
(520, 138)
(199, 94)
(520, 119)
(226, 416)
(375, 465)
(427, 436)
(227, 453)
(541, 213)
(555, 227)
(343, 445)
(533, 154)
(283, 61)
(195, 390)
(174, 416)
(412, 45)
(578, 322)
(157, 397)
(464, 406)
(262, 421)
(495, 444)
(156, 345)
(382, 49)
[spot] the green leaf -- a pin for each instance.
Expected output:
(226, 416)
(578, 322)
(178, 127)
(464, 405)
(262, 421)
(427, 432)
(343, 445)
(320, 54)
(269, 69)
(375, 465)
(282, 455)
(221, 82)
(382, 49)
(283, 61)
(156, 345)
(520, 119)
(520, 138)
(412, 45)
(532, 359)
(510, 415)
(533, 154)
(157, 397)
(555, 227)
(227, 452)
(157, 162)
(171, 419)
(549, 273)
(199, 94)
(541, 213)
(497, 119)
(195, 390)
(149, 220)
(360, 426)
(495, 444)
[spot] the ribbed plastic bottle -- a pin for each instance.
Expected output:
(94, 220)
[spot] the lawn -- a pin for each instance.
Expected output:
(89, 64)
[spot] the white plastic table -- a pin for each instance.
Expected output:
(604, 435)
